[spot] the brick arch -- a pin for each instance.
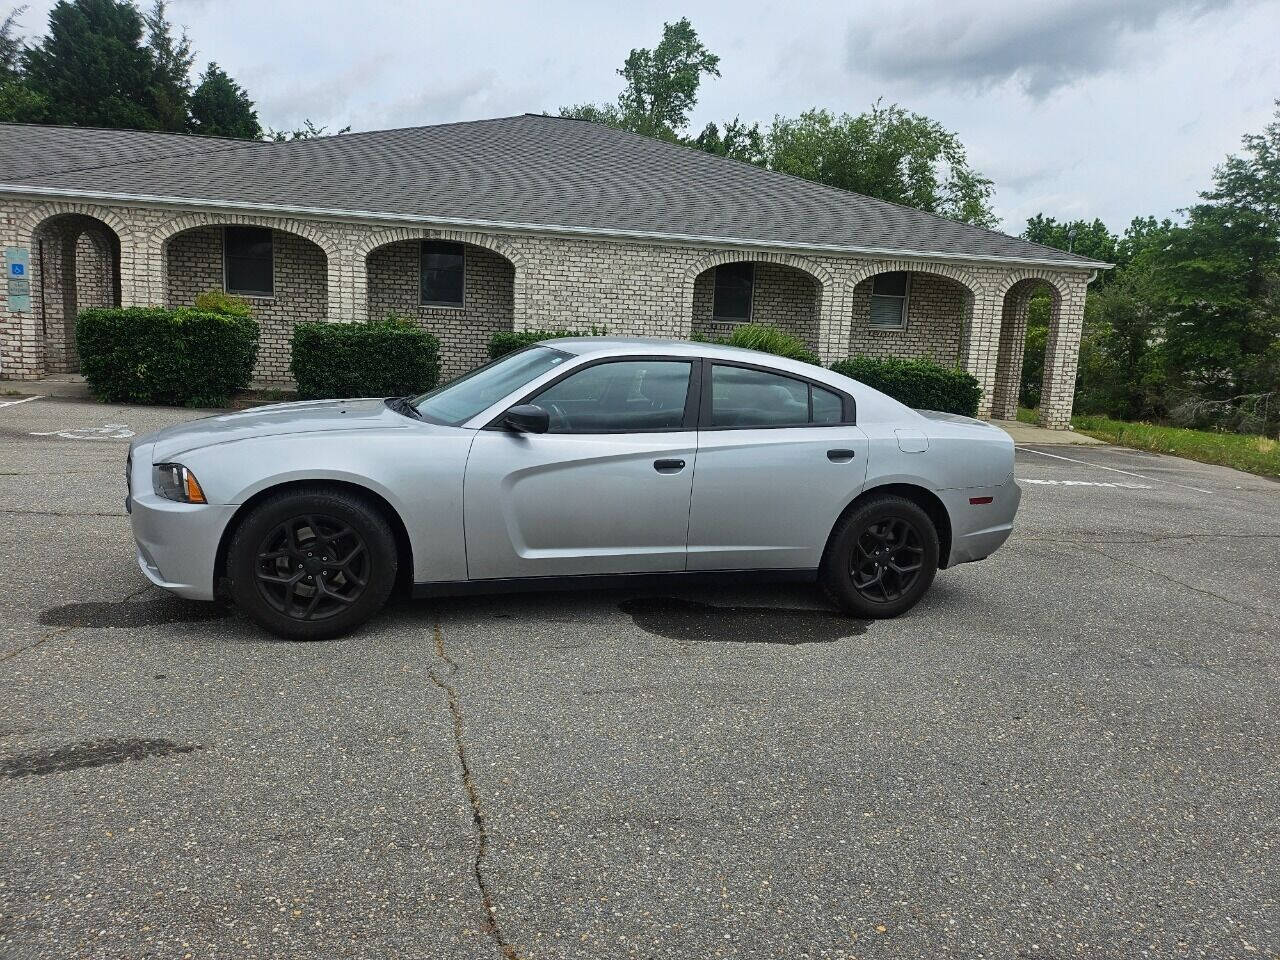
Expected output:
(1014, 277)
(36, 218)
(157, 243)
(824, 277)
(190, 221)
(381, 238)
(959, 275)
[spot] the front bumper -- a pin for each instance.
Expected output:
(177, 543)
(979, 529)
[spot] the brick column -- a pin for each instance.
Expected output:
(348, 278)
(1013, 342)
(835, 319)
(1061, 356)
(983, 343)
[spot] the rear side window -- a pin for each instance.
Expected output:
(619, 397)
(754, 398)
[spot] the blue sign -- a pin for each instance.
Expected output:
(18, 289)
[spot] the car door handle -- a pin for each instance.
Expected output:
(668, 466)
(839, 456)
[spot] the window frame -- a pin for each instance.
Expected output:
(849, 411)
(692, 400)
(751, 293)
(226, 263)
(461, 303)
(905, 298)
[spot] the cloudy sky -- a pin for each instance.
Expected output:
(1108, 108)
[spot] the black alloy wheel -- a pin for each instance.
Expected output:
(312, 563)
(887, 560)
(881, 557)
(312, 567)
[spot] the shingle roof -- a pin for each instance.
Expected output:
(530, 171)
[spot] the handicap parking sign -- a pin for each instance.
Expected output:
(18, 292)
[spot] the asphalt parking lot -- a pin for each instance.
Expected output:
(1071, 749)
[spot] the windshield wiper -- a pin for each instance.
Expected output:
(402, 406)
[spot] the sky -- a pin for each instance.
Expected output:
(1075, 108)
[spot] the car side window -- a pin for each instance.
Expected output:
(619, 396)
(741, 397)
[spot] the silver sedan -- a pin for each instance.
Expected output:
(568, 462)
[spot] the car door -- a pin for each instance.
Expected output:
(778, 458)
(605, 490)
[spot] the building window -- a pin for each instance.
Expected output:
(889, 295)
(247, 255)
(734, 282)
(443, 273)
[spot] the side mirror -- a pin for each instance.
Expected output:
(527, 418)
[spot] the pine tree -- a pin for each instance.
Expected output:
(221, 108)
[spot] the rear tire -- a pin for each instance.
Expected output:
(312, 564)
(881, 558)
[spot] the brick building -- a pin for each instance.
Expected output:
(526, 222)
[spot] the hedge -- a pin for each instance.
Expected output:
(766, 339)
(378, 358)
(187, 357)
(509, 341)
(917, 383)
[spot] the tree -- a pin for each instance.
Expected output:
(308, 131)
(92, 68)
(738, 142)
(661, 85)
(1217, 273)
(18, 102)
(887, 153)
(1088, 239)
(221, 108)
(171, 88)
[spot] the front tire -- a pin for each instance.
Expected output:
(881, 558)
(312, 564)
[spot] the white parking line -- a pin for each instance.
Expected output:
(13, 403)
(1088, 483)
(1127, 473)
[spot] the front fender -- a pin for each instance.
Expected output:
(418, 475)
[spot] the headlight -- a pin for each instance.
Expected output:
(175, 482)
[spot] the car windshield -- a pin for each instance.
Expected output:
(457, 402)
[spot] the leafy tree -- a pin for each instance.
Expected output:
(738, 142)
(661, 85)
(92, 68)
(220, 107)
(10, 46)
(1087, 239)
(888, 153)
(171, 88)
(308, 131)
(18, 102)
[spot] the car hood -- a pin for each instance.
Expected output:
(313, 416)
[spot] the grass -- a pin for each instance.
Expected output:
(1243, 451)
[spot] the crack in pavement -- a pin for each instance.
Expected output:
(59, 513)
(1174, 580)
(490, 919)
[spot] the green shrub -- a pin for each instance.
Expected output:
(766, 339)
(152, 355)
(380, 358)
(917, 383)
(216, 301)
(509, 341)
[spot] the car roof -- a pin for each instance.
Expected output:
(582, 346)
